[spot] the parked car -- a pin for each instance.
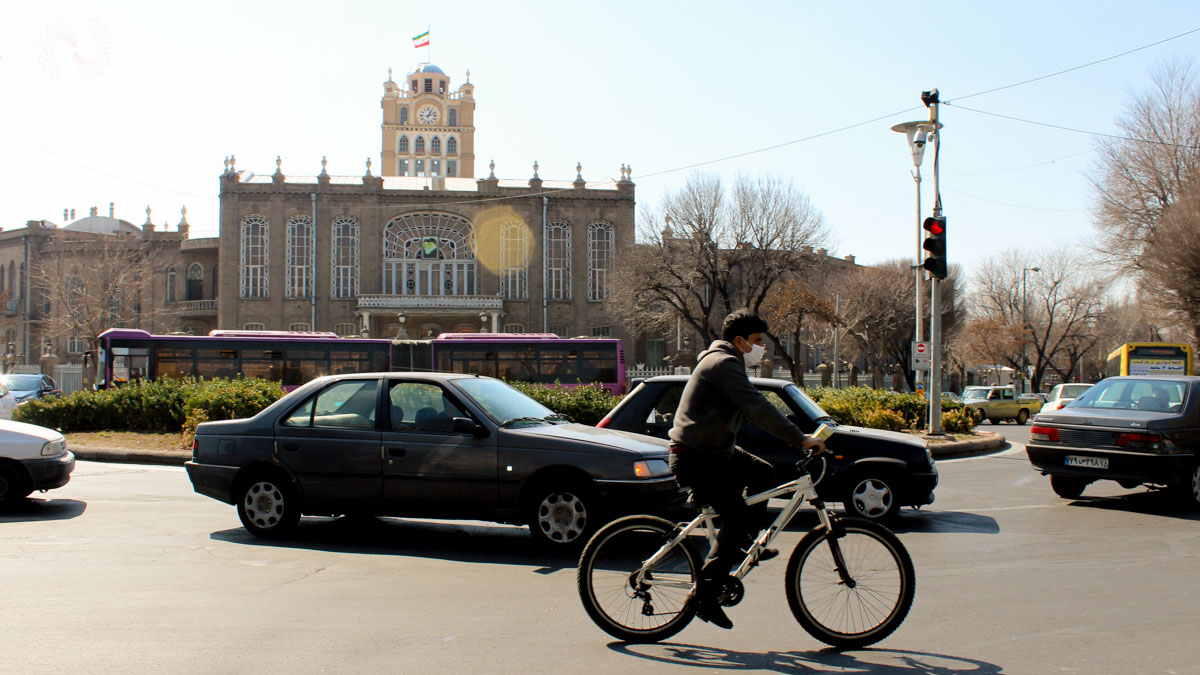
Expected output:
(8, 403)
(427, 445)
(873, 474)
(1001, 403)
(31, 458)
(1062, 394)
(1131, 429)
(26, 386)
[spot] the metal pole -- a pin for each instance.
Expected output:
(935, 309)
(1024, 322)
(917, 332)
(312, 280)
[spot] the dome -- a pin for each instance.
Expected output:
(429, 68)
(103, 225)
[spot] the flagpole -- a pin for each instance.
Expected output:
(428, 45)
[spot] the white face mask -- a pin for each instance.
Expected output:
(754, 355)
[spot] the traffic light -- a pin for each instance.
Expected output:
(935, 245)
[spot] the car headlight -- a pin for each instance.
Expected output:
(52, 448)
(651, 468)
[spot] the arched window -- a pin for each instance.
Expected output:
(452, 146)
(12, 279)
(420, 145)
(299, 270)
(195, 282)
(453, 117)
(558, 260)
(600, 260)
(402, 145)
(435, 146)
(429, 254)
(345, 329)
(170, 284)
(255, 256)
(253, 326)
(344, 259)
(514, 328)
(514, 260)
(403, 114)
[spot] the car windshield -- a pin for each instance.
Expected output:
(504, 404)
(808, 405)
(23, 382)
(975, 392)
(1123, 393)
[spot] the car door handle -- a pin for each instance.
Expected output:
(396, 452)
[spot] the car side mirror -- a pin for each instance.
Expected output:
(463, 425)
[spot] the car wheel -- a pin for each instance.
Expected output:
(1067, 487)
(1187, 491)
(268, 506)
(872, 496)
(993, 420)
(1022, 416)
(13, 486)
(563, 515)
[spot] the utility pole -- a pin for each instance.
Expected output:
(930, 99)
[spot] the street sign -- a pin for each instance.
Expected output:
(921, 355)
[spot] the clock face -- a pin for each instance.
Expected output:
(428, 115)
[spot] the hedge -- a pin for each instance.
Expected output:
(586, 404)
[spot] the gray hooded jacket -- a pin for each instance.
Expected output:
(717, 397)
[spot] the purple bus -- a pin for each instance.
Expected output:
(543, 358)
(290, 358)
(293, 358)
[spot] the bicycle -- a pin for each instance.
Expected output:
(635, 573)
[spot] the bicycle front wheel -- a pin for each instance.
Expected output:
(866, 605)
(628, 599)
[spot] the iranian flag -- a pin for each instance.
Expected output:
(421, 40)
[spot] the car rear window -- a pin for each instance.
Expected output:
(1120, 393)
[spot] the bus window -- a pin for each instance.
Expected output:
(175, 362)
(467, 359)
(264, 363)
(517, 363)
(559, 363)
(598, 363)
(217, 363)
(302, 365)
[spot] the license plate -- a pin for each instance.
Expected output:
(1089, 462)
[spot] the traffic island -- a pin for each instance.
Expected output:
(962, 445)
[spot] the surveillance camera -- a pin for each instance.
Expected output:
(919, 138)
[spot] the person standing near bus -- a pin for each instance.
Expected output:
(705, 458)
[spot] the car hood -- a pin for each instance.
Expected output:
(19, 431)
(582, 437)
(844, 434)
(23, 393)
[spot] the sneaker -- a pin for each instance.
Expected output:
(708, 608)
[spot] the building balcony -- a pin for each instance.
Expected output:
(198, 308)
(430, 303)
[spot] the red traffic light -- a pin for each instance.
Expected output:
(935, 226)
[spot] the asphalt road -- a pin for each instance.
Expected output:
(127, 570)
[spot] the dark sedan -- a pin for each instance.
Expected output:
(874, 472)
(1134, 430)
(427, 445)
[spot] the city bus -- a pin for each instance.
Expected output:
(293, 358)
(543, 358)
(1150, 358)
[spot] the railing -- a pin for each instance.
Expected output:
(198, 307)
(460, 302)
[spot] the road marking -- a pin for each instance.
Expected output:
(1016, 448)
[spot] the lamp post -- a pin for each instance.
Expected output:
(483, 317)
(917, 133)
(1025, 324)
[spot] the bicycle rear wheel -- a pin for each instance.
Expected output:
(627, 600)
(864, 610)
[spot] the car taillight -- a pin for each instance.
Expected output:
(1044, 434)
(1148, 441)
(603, 424)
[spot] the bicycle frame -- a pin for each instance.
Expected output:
(801, 489)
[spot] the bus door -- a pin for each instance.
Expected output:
(130, 363)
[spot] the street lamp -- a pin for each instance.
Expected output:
(1025, 324)
(918, 134)
(483, 317)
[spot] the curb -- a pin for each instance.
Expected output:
(127, 456)
(972, 448)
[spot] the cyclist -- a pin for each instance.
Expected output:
(718, 396)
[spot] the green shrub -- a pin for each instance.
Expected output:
(881, 418)
(959, 421)
(862, 406)
(160, 406)
(586, 404)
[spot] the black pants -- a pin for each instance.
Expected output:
(722, 483)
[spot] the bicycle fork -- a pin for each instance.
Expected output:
(836, 530)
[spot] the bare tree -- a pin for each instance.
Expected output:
(705, 252)
(797, 313)
(1138, 178)
(86, 283)
(1052, 311)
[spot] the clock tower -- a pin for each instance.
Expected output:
(427, 129)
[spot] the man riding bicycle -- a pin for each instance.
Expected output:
(718, 396)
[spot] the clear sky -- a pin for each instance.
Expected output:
(138, 103)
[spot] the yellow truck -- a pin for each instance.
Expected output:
(1001, 403)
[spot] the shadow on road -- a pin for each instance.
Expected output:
(948, 522)
(465, 541)
(1148, 502)
(828, 660)
(25, 510)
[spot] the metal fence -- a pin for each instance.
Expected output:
(810, 379)
(69, 377)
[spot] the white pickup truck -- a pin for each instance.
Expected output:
(1001, 403)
